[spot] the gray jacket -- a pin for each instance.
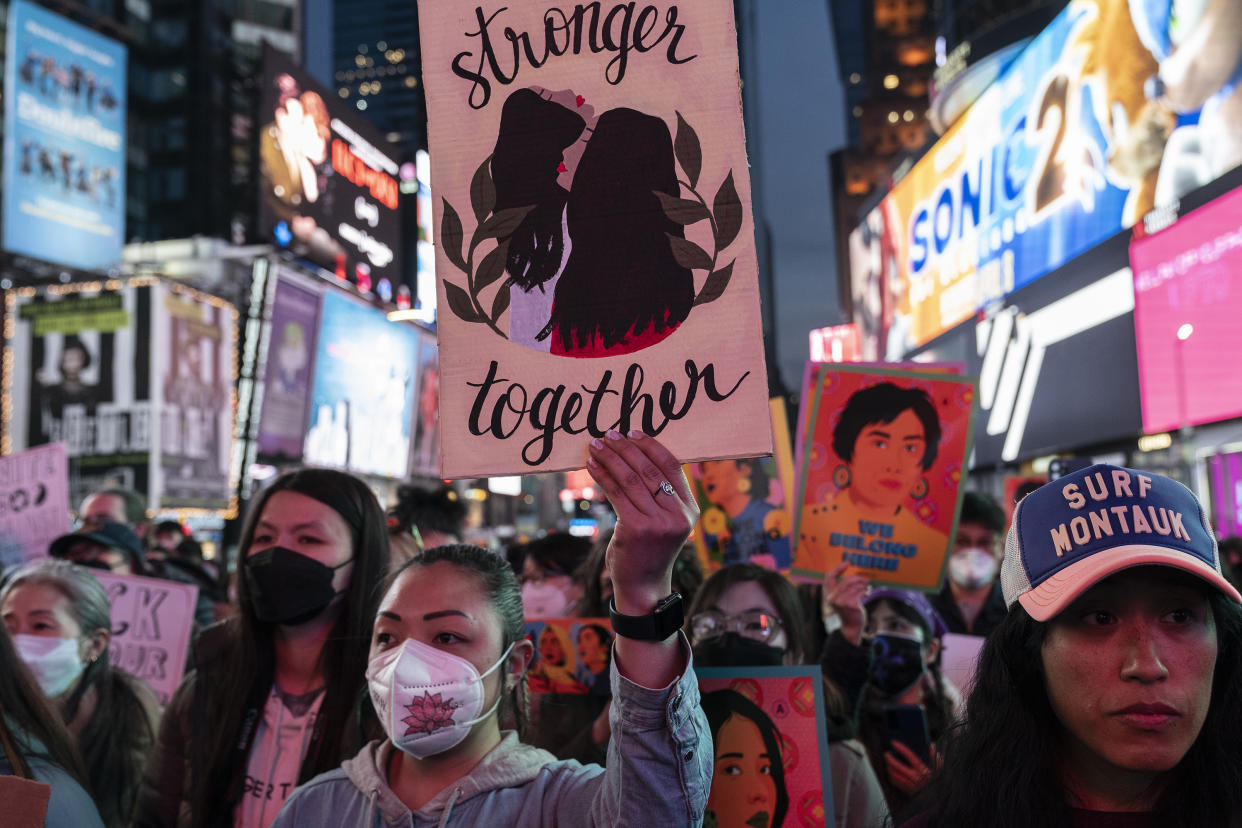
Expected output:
(659, 772)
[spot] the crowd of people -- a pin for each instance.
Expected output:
(368, 668)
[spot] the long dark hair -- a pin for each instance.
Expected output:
(1000, 764)
(621, 279)
(120, 732)
(502, 590)
(780, 591)
(28, 721)
(533, 134)
(250, 657)
(719, 706)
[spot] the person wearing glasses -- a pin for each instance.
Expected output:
(747, 616)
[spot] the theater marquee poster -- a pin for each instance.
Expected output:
(135, 378)
(596, 254)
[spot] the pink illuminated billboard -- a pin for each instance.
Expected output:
(1187, 293)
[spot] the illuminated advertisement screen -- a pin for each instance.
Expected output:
(362, 396)
(1187, 292)
(64, 140)
(1225, 479)
(1063, 151)
(329, 181)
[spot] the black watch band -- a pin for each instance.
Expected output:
(657, 625)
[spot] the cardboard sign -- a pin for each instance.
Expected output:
(881, 478)
(745, 505)
(151, 626)
(572, 655)
(34, 502)
(771, 746)
(959, 658)
(596, 254)
(25, 801)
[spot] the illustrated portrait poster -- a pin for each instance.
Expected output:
(572, 655)
(810, 378)
(595, 252)
(883, 462)
(771, 765)
(745, 505)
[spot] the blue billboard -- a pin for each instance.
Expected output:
(1112, 111)
(362, 395)
(64, 140)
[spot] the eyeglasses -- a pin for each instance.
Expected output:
(754, 624)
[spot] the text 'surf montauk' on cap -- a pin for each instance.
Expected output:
(1070, 534)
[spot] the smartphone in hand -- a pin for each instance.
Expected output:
(907, 723)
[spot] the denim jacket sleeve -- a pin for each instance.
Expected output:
(659, 756)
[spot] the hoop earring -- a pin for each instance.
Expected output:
(920, 489)
(743, 485)
(841, 476)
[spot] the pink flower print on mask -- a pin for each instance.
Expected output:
(429, 714)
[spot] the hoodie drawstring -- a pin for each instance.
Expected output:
(373, 817)
(448, 809)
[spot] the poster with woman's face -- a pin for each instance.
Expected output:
(572, 655)
(882, 466)
(745, 513)
(595, 247)
(770, 745)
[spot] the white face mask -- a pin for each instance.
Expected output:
(548, 598)
(55, 662)
(427, 699)
(972, 568)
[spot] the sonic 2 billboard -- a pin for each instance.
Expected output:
(64, 140)
(1095, 123)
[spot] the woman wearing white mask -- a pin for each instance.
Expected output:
(60, 620)
(448, 652)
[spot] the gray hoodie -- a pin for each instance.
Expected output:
(659, 771)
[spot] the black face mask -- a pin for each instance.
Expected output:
(733, 650)
(896, 663)
(288, 588)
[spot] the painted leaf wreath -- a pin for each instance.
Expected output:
(724, 215)
(428, 714)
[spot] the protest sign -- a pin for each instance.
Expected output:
(771, 746)
(880, 486)
(572, 655)
(151, 625)
(34, 502)
(745, 512)
(596, 245)
(25, 801)
(959, 658)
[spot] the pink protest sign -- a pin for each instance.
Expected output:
(596, 246)
(151, 625)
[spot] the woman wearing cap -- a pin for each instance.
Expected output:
(887, 651)
(1111, 694)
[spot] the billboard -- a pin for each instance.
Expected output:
(136, 379)
(64, 140)
(362, 397)
(328, 179)
(196, 368)
(1187, 291)
(1063, 151)
(289, 361)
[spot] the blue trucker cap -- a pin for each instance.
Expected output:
(1070, 534)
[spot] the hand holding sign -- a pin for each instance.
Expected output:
(655, 512)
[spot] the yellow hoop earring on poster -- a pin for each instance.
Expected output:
(920, 489)
(841, 476)
(743, 485)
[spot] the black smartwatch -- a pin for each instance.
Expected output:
(657, 625)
